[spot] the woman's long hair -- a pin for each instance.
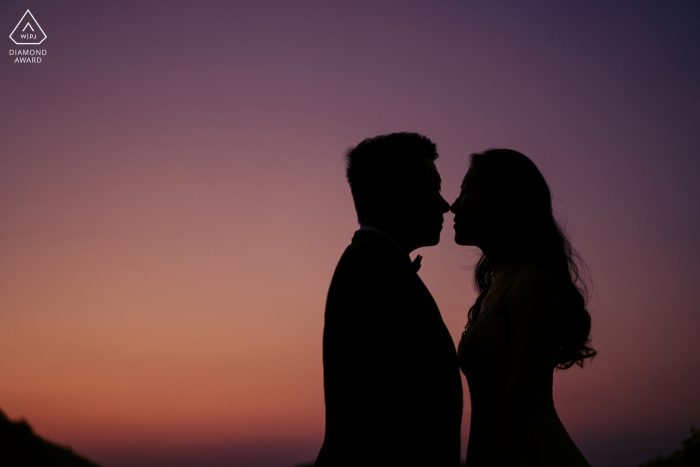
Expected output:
(534, 237)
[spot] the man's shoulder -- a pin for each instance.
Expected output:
(372, 273)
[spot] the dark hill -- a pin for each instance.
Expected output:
(20, 447)
(687, 456)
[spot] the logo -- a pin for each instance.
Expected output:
(28, 31)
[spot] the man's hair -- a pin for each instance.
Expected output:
(374, 165)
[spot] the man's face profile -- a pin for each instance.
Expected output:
(423, 204)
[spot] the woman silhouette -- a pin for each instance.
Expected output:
(529, 318)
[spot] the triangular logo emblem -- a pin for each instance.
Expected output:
(28, 31)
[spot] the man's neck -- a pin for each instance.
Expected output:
(393, 232)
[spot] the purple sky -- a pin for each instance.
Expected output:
(173, 204)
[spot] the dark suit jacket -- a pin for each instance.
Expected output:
(391, 377)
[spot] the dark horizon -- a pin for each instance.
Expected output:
(21, 444)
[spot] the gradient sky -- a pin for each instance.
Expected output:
(173, 204)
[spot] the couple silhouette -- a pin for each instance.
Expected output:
(392, 382)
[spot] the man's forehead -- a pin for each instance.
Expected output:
(431, 170)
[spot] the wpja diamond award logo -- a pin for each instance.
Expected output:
(28, 32)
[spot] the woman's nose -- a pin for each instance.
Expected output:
(445, 205)
(454, 206)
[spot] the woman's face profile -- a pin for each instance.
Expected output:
(472, 212)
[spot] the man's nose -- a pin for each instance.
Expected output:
(444, 205)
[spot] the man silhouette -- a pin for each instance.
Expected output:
(391, 378)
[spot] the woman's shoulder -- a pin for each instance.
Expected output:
(533, 275)
(534, 290)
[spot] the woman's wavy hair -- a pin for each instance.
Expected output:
(525, 203)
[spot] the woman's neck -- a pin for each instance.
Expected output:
(502, 263)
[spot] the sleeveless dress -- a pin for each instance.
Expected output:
(483, 353)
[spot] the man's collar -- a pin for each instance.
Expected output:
(415, 264)
(388, 237)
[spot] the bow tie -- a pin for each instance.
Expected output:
(416, 263)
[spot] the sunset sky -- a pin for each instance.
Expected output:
(173, 205)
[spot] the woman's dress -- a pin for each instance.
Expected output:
(541, 439)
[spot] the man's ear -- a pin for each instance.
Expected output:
(400, 194)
